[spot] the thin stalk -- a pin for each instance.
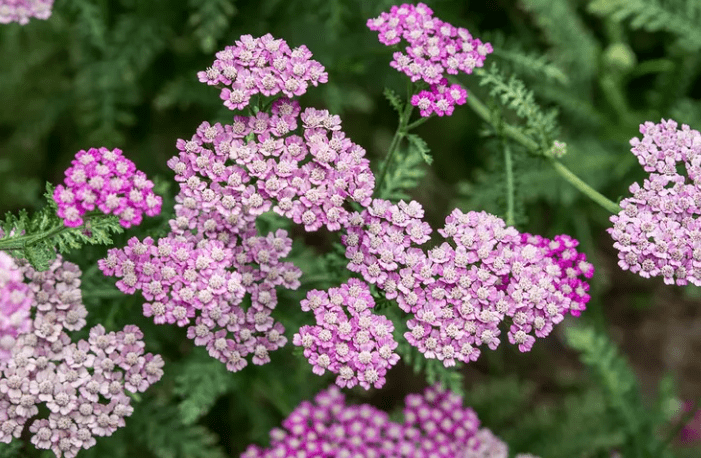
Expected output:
(417, 123)
(398, 136)
(510, 219)
(516, 135)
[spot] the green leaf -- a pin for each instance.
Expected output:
(394, 100)
(421, 146)
(200, 383)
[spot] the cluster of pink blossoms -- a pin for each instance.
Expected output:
(229, 175)
(657, 232)
(434, 48)
(21, 11)
(105, 180)
(359, 348)
(436, 425)
(262, 65)
(83, 385)
(460, 294)
(15, 305)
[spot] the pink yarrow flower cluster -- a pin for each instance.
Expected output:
(266, 66)
(348, 339)
(21, 11)
(459, 293)
(104, 180)
(15, 305)
(435, 425)
(657, 232)
(229, 175)
(83, 385)
(434, 48)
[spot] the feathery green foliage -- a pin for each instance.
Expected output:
(199, 383)
(681, 18)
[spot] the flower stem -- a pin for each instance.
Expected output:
(417, 123)
(399, 134)
(509, 185)
(21, 242)
(518, 136)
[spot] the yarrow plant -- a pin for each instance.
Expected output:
(434, 49)
(82, 385)
(435, 425)
(21, 11)
(104, 180)
(348, 339)
(657, 232)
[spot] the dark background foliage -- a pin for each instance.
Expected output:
(123, 74)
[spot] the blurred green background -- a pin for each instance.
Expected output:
(122, 74)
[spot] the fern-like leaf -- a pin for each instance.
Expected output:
(200, 383)
(210, 20)
(406, 174)
(682, 19)
(394, 100)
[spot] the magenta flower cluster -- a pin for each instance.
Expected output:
(109, 182)
(434, 48)
(15, 305)
(459, 294)
(21, 11)
(435, 425)
(348, 339)
(657, 232)
(266, 66)
(229, 175)
(82, 385)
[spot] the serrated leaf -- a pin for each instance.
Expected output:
(394, 100)
(421, 146)
(200, 384)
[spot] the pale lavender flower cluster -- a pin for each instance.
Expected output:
(434, 48)
(15, 305)
(435, 425)
(83, 385)
(460, 294)
(105, 180)
(21, 11)
(266, 66)
(657, 232)
(348, 339)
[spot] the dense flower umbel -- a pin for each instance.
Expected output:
(265, 66)
(109, 182)
(459, 294)
(15, 305)
(657, 232)
(230, 175)
(83, 384)
(434, 49)
(22, 11)
(436, 425)
(348, 339)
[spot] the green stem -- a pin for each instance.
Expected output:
(516, 135)
(417, 123)
(21, 242)
(510, 219)
(590, 192)
(398, 135)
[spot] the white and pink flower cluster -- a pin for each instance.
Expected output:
(15, 305)
(348, 339)
(105, 180)
(266, 66)
(434, 48)
(657, 232)
(21, 11)
(213, 257)
(435, 425)
(83, 385)
(460, 293)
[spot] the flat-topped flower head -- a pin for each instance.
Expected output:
(21, 11)
(83, 385)
(657, 232)
(435, 425)
(266, 66)
(106, 181)
(434, 48)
